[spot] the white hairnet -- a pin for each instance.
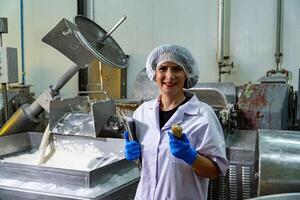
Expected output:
(176, 54)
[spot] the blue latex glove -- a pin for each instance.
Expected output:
(182, 149)
(132, 148)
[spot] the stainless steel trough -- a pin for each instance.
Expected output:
(64, 179)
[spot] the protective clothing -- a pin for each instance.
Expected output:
(132, 148)
(163, 176)
(176, 54)
(182, 149)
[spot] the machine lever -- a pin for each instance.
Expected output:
(100, 41)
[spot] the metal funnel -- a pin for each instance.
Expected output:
(66, 38)
(80, 43)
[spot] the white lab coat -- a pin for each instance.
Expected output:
(163, 176)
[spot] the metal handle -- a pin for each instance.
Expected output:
(111, 30)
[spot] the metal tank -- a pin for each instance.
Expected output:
(285, 196)
(279, 161)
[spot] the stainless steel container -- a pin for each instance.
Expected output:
(36, 182)
(279, 162)
(287, 196)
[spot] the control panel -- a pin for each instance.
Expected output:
(8, 65)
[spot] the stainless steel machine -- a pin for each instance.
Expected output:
(105, 176)
(84, 158)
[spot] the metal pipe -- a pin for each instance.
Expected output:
(101, 40)
(66, 77)
(83, 73)
(35, 108)
(90, 9)
(26, 116)
(278, 53)
(19, 122)
(22, 42)
(220, 47)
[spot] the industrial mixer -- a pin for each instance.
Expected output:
(84, 158)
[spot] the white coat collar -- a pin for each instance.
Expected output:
(190, 108)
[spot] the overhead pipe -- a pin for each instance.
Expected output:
(90, 9)
(278, 53)
(221, 59)
(220, 50)
(22, 42)
(83, 73)
(85, 8)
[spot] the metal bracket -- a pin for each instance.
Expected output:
(44, 99)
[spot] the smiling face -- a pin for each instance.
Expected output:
(170, 79)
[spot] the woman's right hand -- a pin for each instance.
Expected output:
(132, 148)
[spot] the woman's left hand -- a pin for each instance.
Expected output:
(182, 149)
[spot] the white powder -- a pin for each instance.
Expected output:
(68, 154)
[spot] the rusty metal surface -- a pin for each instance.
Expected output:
(265, 106)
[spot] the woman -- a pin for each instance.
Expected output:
(176, 168)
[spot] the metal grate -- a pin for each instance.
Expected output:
(233, 186)
(217, 189)
(246, 182)
(211, 189)
(221, 188)
(240, 182)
